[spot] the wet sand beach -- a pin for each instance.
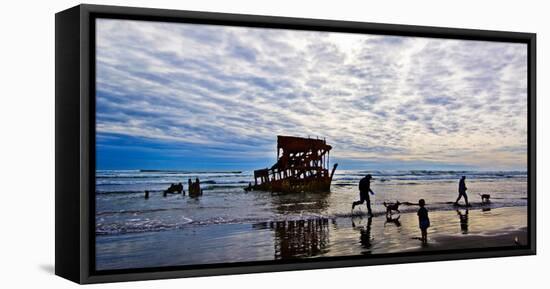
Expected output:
(229, 224)
(356, 234)
(504, 238)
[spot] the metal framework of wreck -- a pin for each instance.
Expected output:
(302, 166)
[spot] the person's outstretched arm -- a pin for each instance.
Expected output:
(371, 192)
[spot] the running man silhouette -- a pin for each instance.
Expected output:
(364, 190)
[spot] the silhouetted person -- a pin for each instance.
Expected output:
(364, 190)
(462, 191)
(423, 220)
(146, 194)
(463, 221)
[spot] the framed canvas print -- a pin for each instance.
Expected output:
(193, 143)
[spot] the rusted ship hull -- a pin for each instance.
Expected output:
(311, 184)
(301, 167)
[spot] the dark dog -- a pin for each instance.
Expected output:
(485, 198)
(392, 207)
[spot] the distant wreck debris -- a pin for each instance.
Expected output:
(301, 167)
(174, 188)
(194, 188)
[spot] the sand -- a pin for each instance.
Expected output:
(341, 236)
(497, 239)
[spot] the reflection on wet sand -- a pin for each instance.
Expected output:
(365, 234)
(388, 234)
(301, 238)
(391, 219)
(463, 216)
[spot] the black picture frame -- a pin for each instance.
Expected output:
(75, 141)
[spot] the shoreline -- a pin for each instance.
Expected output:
(302, 239)
(357, 213)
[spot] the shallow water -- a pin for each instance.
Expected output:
(227, 224)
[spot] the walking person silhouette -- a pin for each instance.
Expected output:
(462, 191)
(364, 190)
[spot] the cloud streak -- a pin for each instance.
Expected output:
(233, 89)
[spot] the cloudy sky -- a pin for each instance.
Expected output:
(185, 96)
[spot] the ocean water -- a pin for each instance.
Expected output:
(228, 224)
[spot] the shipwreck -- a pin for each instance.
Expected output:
(302, 166)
